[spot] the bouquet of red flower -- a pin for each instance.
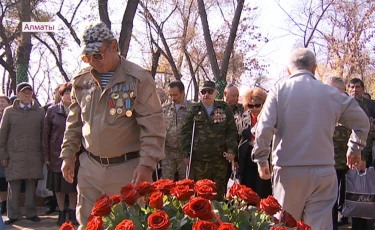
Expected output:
(185, 205)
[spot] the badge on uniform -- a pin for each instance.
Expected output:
(218, 116)
(120, 97)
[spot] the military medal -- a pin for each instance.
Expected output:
(119, 102)
(115, 96)
(119, 111)
(131, 94)
(129, 113)
(112, 111)
(125, 95)
(88, 97)
(111, 103)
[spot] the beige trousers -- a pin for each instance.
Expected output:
(95, 180)
(308, 193)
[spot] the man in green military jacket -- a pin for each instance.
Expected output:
(215, 138)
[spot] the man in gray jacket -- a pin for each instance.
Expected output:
(21, 151)
(300, 115)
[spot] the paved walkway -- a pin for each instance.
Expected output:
(46, 223)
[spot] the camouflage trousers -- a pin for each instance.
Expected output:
(172, 163)
(215, 170)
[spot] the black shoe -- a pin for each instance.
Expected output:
(72, 217)
(34, 219)
(10, 221)
(343, 221)
(50, 210)
(61, 218)
(3, 207)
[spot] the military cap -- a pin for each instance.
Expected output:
(208, 85)
(93, 37)
(23, 85)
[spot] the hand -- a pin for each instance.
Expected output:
(362, 166)
(264, 172)
(4, 163)
(228, 156)
(48, 163)
(142, 173)
(67, 169)
(186, 161)
(353, 160)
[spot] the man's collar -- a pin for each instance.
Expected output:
(23, 105)
(302, 72)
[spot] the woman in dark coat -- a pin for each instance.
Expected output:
(4, 102)
(252, 102)
(53, 134)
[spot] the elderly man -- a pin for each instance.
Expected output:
(300, 116)
(117, 116)
(215, 138)
(231, 95)
(21, 151)
(175, 111)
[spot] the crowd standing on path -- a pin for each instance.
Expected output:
(112, 126)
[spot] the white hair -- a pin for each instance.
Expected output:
(302, 58)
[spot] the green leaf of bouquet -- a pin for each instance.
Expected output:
(245, 225)
(243, 216)
(134, 210)
(217, 205)
(137, 223)
(176, 203)
(265, 226)
(170, 210)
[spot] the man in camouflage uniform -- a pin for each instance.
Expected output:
(215, 138)
(356, 90)
(340, 143)
(174, 114)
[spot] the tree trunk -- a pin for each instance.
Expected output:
(155, 62)
(208, 40)
(231, 39)
(103, 12)
(24, 49)
(127, 27)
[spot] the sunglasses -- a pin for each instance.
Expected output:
(209, 91)
(96, 56)
(254, 106)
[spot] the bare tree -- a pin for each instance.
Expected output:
(220, 74)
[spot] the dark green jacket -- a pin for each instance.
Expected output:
(215, 133)
(369, 107)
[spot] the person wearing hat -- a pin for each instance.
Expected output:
(117, 116)
(212, 127)
(20, 151)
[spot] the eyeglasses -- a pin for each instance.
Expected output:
(254, 106)
(209, 91)
(97, 56)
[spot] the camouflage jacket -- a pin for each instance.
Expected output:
(369, 107)
(214, 134)
(174, 120)
(340, 144)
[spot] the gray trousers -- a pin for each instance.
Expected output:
(307, 193)
(13, 206)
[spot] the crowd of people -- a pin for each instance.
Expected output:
(112, 126)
